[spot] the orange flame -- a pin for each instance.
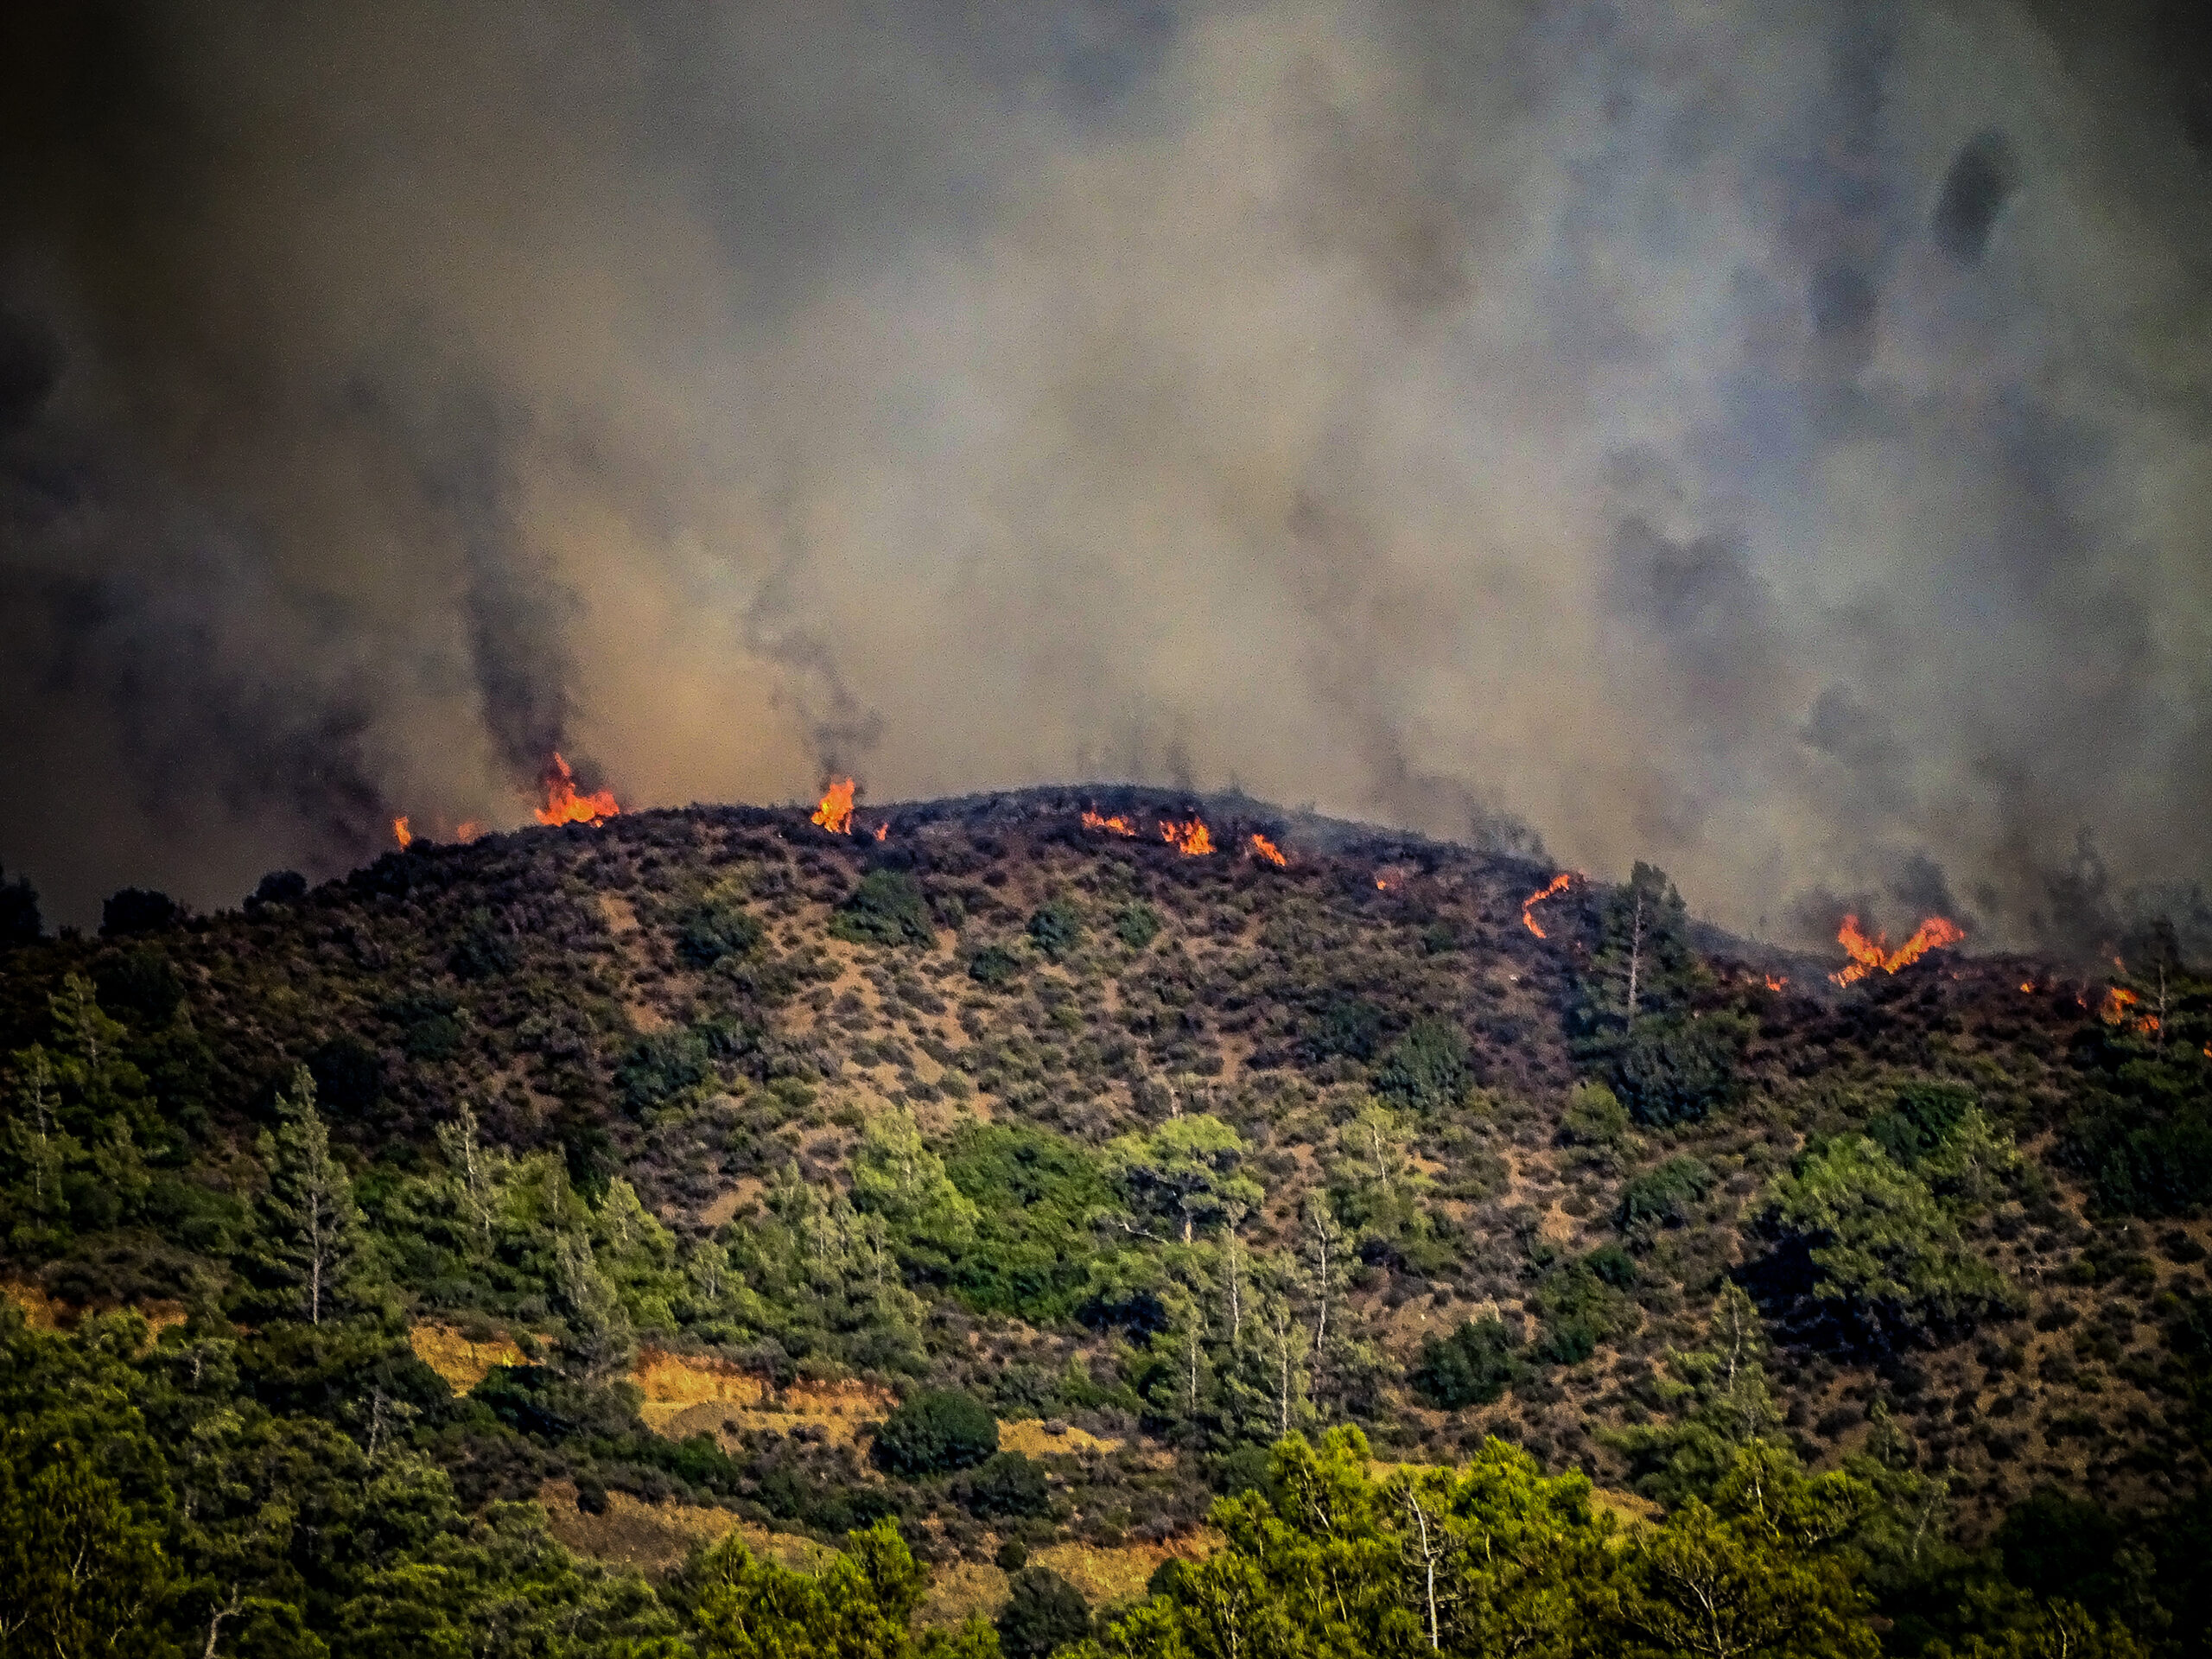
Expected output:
(835, 812)
(1867, 955)
(1262, 848)
(883, 831)
(399, 828)
(1192, 840)
(1389, 881)
(1557, 885)
(1775, 983)
(2027, 988)
(562, 803)
(1115, 826)
(2114, 1012)
(470, 828)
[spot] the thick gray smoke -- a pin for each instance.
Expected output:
(1770, 439)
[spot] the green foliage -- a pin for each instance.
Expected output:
(1137, 925)
(661, 1066)
(1643, 965)
(1008, 1484)
(717, 927)
(348, 1074)
(1350, 1026)
(1034, 1195)
(1594, 1117)
(1674, 1069)
(135, 911)
(1922, 1118)
(888, 908)
(860, 1606)
(142, 984)
(19, 917)
(1186, 1173)
(1056, 928)
(1426, 1070)
(311, 1245)
(1043, 1613)
(1663, 1196)
(1880, 1253)
(2142, 1129)
(994, 965)
(935, 1432)
(80, 1573)
(1473, 1366)
(1582, 1305)
(897, 1177)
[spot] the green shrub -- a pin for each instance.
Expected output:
(1137, 925)
(935, 1432)
(1043, 1613)
(1663, 1196)
(1349, 1026)
(1672, 1069)
(1594, 1118)
(659, 1066)
(1473, 1366)
(1057, 927)
(1427, 1069)
(1008, 1484)
(714, 930)
(994, 965)
(888, 908)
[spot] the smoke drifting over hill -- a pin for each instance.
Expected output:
(1770, 440)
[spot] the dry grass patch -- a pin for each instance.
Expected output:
(462, 1362)
(1107, 1575)
(42, 1312)
(656, 1537)
(687, 1395)
(1030, 1437)
(959, 1588)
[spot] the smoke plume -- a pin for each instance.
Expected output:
(1770, 440)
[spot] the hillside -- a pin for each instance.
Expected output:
(686, 1145)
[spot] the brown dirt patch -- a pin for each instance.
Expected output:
(687, 1395)
(462, 1362)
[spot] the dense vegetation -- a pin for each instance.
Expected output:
(1320, 1226)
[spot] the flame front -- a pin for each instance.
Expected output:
(1556, 886)
(562, 803)
(1777, 981)
(1114, 826)
(835, 812)
(1262, 848)
(1192, 840)
(400, 830)
(2118, 1007)
(883, 831)
(1869, 955)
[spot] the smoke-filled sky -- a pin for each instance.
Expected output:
(1770, 439)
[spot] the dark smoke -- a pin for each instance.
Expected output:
(1770, 440)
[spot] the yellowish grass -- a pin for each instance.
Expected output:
(1119, 1574)
(42, 1312)
(687, 1395)
(655, 1537)
(462, 1362)
(961, 1588)
(1028, 1435)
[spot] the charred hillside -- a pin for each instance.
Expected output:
(1160, 1124)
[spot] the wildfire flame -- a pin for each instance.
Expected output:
(562, 803)
(1556, 886)
(835, 812)
(2027, 988)
(1114, 826)
(1868, 955)
(399, 828)
(1262, 848)
(470, 828)
(2118, 1001)
(883, 831)
(1192, 840)
(1387, 881)
(1777, 982)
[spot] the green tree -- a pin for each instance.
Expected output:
(1644, 963)
(1426, 1070)
(1043, 1613)
(936, 1431)
(888, 908)
(898, 1177)
(1186, 1173)
(1881, 1255)
(79, 1574)
(1057, 927)
(858, 1607)
(310, 1227)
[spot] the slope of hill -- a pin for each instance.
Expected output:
(1122, 1132)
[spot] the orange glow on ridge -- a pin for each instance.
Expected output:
(1557, 885)
(835, 812)
(1869, 954)
(399, 828)
(1192, 840)
(1265, 849)
(562, 803)
(1114, 826)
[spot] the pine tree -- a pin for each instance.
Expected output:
(311, 1229)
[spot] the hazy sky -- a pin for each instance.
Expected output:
(1774, 440)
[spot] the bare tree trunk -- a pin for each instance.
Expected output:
(1428, 1567)
(215, 1618)
(1635, 951)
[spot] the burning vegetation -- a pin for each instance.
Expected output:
(1264, 848)
(1872, 954)
(835, 814)
(565, 804)
(1556, 886)
(1190, 838)
(1114, 826)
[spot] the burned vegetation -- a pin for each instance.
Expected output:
(1030, 1176)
